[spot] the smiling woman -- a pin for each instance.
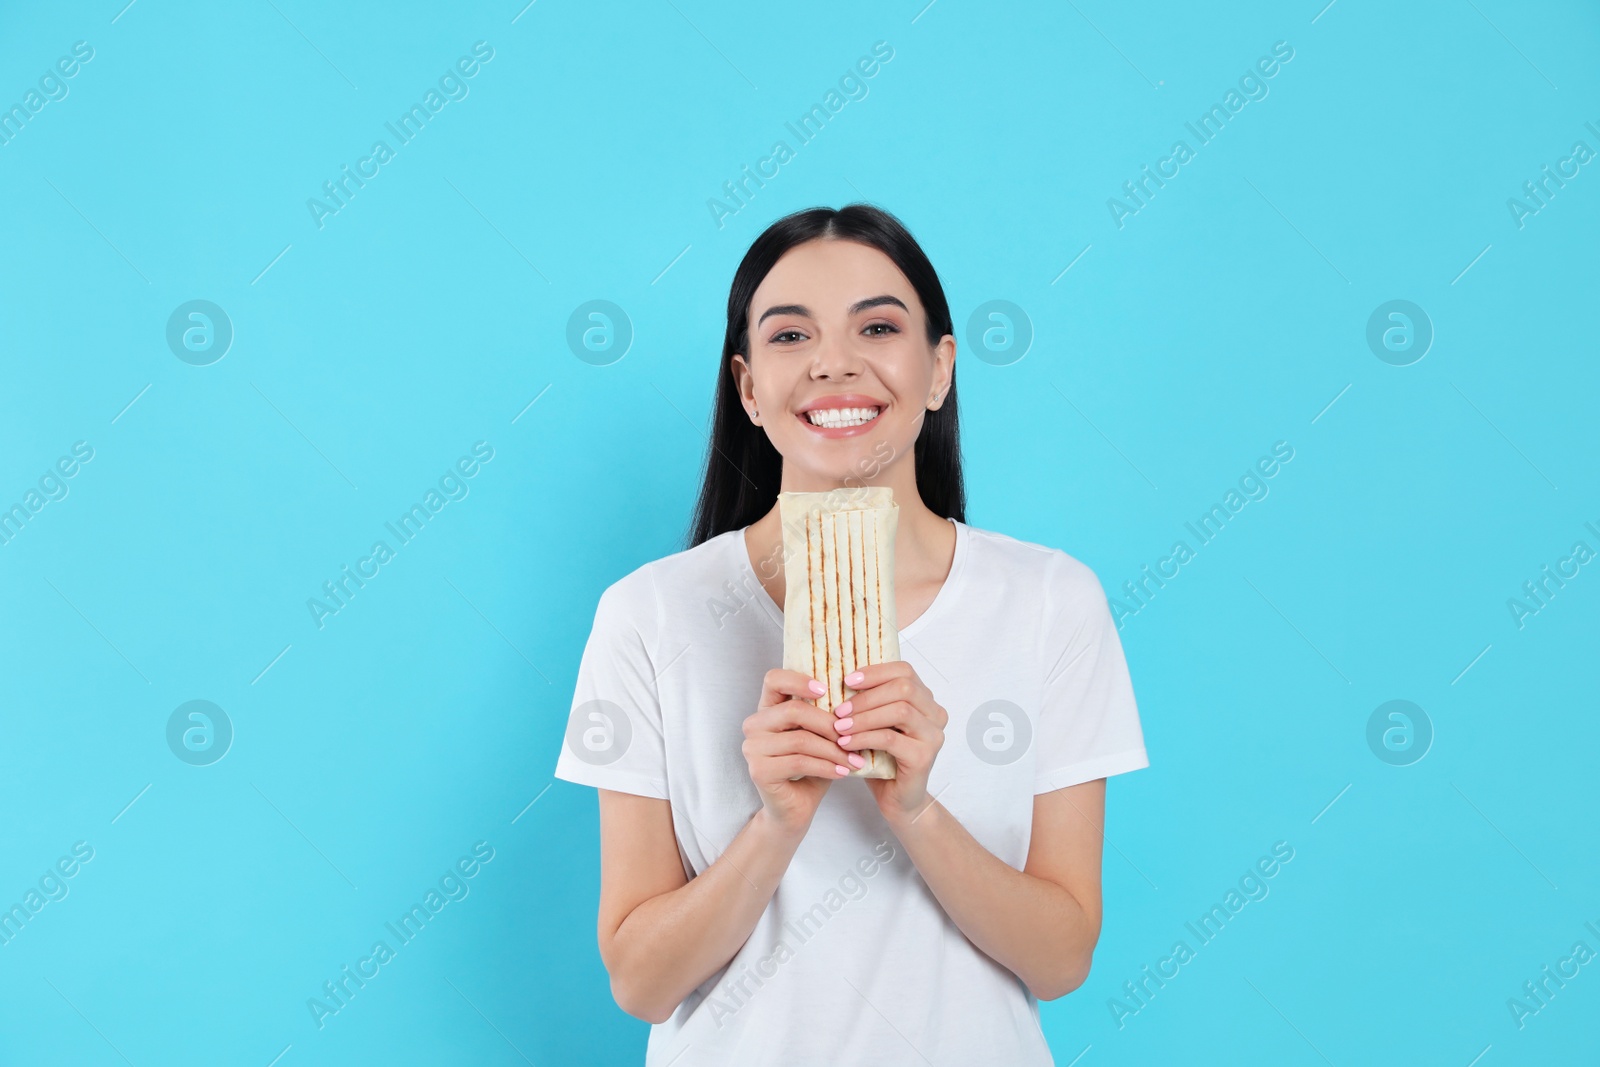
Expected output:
(725, 826)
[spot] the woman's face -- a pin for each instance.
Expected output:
(839, 371)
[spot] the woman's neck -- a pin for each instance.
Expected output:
(924, 548)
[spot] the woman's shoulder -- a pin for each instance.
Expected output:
(670, 576)
(1064, 578)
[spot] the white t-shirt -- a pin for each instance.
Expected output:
(854, 961)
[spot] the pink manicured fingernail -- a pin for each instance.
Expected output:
(845, 740)
(842, 709)
(841, 768)
(859, 761)
(817, 687)
(843, 724)
(855, 679)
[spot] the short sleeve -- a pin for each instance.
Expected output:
(1088, 722)
(614, 738)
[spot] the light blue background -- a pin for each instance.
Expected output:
(428, 314)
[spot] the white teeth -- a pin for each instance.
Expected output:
(838, 417)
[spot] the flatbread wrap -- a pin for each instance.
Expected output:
(838, 604)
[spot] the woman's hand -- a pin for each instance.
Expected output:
(893, 712)
(789, 737)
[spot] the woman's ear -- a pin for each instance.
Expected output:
(944, 363)
(745, 383)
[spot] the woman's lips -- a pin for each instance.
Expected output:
(840, 431)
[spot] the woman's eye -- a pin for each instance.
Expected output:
(886, 327)
(783, 337)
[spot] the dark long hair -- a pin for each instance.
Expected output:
(743, 472)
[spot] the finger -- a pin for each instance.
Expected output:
(779, 685)
(791, 715)
(878, 673)
(798, 766)
(789, 742)
(781, 749)
(905, 717)
(902, 747)
(900, 687)
(804, 715)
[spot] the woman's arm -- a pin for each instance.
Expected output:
(660, 933)
(1041, 922)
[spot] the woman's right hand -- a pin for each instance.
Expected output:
(789, 736)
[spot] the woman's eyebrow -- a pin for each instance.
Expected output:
(855, 309)
(784, 309)
(878, 301)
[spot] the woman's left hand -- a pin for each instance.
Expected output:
(893, 712)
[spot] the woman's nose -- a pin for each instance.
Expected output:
(834, 360)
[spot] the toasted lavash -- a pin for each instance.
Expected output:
(838, 604)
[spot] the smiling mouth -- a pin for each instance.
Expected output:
(841, 418)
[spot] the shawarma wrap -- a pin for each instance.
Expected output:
(838, 604)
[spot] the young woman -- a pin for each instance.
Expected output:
(757, 918)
